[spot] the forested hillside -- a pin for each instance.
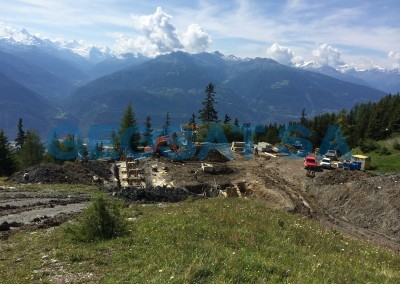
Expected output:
(360, 125)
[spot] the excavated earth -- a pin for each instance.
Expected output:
(358, 204)
(25, 209)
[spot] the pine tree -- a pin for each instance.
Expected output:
(227, 119)
(116, 141)
(303, 118)
(208, 113)
(148, 132)
(32, 151)
(166, 130)
(128, 135)
(70, 148)
(128, 119)
(96, 152)
(54, 149)
(236, 123)
(83, 153)
(7, 164)
(193, 120)
(394, 123)
(20, 135)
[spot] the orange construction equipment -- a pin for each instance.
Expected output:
(164, 141)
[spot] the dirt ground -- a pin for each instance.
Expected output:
(29, 211)
(22, 209)
(355, 203)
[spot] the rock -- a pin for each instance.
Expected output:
(5, 226)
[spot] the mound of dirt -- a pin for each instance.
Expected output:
(366, 201)
(216, 157)
(340, 176)
(154, 194)
(72, 173)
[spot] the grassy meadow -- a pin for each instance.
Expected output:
(200, 241)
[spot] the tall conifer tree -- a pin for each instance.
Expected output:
(209, 113)
(20, 135)
(7, 164)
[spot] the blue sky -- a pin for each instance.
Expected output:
(359, 33)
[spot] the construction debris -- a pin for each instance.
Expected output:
(208, 168)
(238, 146)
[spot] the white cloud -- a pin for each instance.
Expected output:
(281, 54)
(6, 31)
(196, 39)
(327, 55)
(396, 57)
(139, 45)
(158, 30)
(159, 36)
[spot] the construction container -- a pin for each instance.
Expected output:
(356, 165)
(365, 161)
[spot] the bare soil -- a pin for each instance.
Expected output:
(27, 211)
(355, 203)
(69, 172)
(22, 210)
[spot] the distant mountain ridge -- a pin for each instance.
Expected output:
(87, 56)
(16, 101)
(385, 80)
(254, 90)
(73, 79)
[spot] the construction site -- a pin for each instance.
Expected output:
(358, 203)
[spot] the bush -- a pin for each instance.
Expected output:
(384, 152)
(368, 145)
(102, 219)
(396, 146)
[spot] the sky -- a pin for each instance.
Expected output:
(360, 33)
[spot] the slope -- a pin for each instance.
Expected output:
(254, 90)
(51, 73)
(16, 101)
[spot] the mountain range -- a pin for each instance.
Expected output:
(378, 78)
(47, 83)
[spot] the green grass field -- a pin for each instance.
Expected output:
(201, 241)
(384, 163)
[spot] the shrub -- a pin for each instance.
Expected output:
(384, 152)
(102, 219)
(368, 145)
(396, 146)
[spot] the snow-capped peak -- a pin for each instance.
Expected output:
(232, 58)
(81, 48)
(21, 37)
(306, 64)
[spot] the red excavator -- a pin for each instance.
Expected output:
(165, 141)
(310, 164)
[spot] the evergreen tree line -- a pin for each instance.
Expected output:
(364, 122)
(362, 125)
(128, 138)
(28, 151)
